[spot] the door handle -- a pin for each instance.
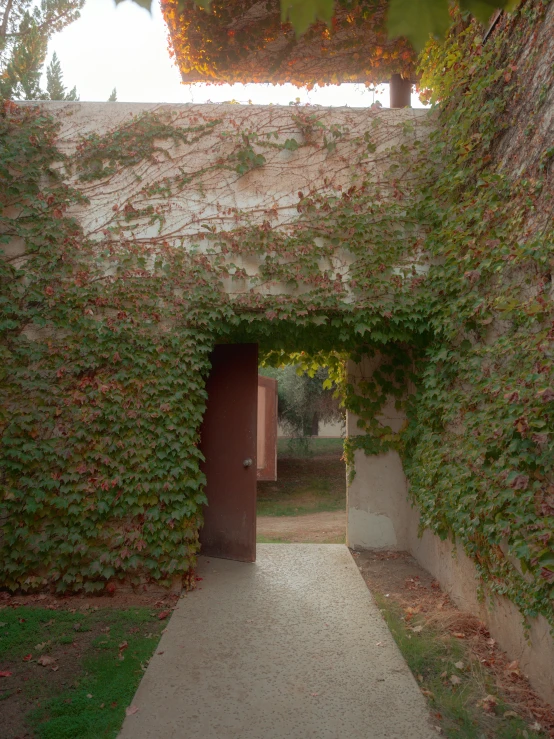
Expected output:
(247, 463)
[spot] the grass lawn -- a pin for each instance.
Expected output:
(314, 446)
(69, 674)
(306, 483)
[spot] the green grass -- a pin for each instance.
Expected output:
(309, 447)
(268, 540)
(432, 658)
(306, 484)
(66, 711)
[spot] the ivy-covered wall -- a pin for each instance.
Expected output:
(124, 265)
(134, 238)
(479, 446)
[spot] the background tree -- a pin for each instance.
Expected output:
(113, 96)
(304, 401)
(54, 82)
(25, 29)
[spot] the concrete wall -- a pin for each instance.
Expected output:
(376, 497)
(380, 516)
(217, 198)
(457, 575)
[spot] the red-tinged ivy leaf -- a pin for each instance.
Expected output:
(5, 673)
(163, 614)
(27, 658)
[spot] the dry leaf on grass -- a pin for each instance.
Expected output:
(163, 614)
(46, 661)
(5, 673)
(489, 703)
(455, 680)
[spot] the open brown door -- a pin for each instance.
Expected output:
(228, 442)
(267, 428)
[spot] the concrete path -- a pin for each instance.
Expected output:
(291, 647)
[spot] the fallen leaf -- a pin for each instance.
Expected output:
(46, 661)
(459, 635)
(512, 668)
(130, 710)
(444, 674)
(459, 665)
(163, 614)
(5, 673)
(27, 657)
(123, 645)
(455, 680)
(102, 705)
(428, 693)
(510, 714)
(89, 695)
(160, 652)
(536, 726)
(105, 630)
(2, 624)
(55, 668)
(489, 703)
(417, 629)
(379, 644)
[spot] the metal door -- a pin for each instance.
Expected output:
(228, 442)
(267, 428)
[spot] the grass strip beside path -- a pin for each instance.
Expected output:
(71, 674)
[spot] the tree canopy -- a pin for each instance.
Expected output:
(25, 29)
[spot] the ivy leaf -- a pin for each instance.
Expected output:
(146, 4)
(302, 13)
(418, 19)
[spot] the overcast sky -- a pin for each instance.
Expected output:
(126, 47)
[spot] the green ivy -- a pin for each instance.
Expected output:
(105, 344)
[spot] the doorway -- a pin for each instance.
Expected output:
(307, 500)
(306, 503)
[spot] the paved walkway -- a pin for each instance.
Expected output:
(291, 647)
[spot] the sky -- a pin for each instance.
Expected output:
(125, 47)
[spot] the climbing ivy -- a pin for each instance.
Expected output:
(479, 446)
(106, 337)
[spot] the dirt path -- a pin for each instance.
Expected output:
(317, 528)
